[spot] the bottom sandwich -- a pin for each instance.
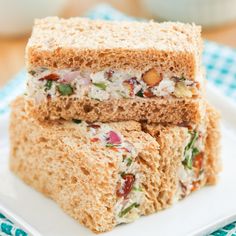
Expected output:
(105, 174)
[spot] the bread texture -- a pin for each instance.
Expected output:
(57, 159)
(94, 45)
(213, 147)
(152, 110)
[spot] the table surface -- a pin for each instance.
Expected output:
(12, 49)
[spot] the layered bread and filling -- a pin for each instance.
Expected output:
(103, 85)
(191, 172)
(129, 193)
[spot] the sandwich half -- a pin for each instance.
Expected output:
(107, 174)
(115, 71)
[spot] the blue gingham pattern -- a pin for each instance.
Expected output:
(219, 61)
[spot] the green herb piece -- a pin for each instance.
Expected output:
(129, 161)
(140, 93)
(127, 209)
(110, 145)
(188, 161)
(76, 121)
(190, 151)
(48, 85)
(193, 140)
(65, 89)
(100, 85)
(195, 151)
(137, 189)
(32, 72)
(122, 173)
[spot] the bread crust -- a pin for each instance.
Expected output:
(172, 48)
(152, 110)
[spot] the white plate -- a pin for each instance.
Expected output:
(200, 213)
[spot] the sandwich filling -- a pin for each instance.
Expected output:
(129, 194)
(103, 85)
(191, 171)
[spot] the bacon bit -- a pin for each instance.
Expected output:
(113, 138)
(195, 185)
(94, 126)
(124, 190)
(198, 161)
(53, 77)
(94, 140)
(148, 94)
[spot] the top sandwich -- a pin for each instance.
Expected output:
(87, 62)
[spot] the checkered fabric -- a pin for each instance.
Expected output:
(219, 61)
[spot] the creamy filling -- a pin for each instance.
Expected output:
(103, 85)
(128, 192)
(191, 171)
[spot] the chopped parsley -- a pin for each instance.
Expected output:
(129, 161)
(140, 93)
(76, 121)
(128, 209)
(190, 151)
(110, 145)
(65, 89)
(137, 189)
(32, 72)
(48, 85)
(100, 85)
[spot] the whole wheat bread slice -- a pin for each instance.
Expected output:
(171, 48)
(76, 172)
(152, 110)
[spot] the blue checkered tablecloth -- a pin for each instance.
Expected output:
(220, 63)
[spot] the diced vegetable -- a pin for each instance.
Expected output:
(137, 189)
(32, 72)
(148, 94)
(77, 121)
(130, 85)
(53, 77)
(48, 85)
(128, 209)
(113, 138)
(100, 85)
(127, 186)
(198, 161)
(129, 161)
(140, 93)
(181, 90)
(109, 73)
(65, 89)
(190, 151)
(93, 140)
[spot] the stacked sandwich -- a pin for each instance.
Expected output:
(114, 123)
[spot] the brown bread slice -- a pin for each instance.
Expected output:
(172, 48)
(156, 110)
(76, 172)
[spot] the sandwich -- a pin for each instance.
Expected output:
(102, 71)
(105, 174)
